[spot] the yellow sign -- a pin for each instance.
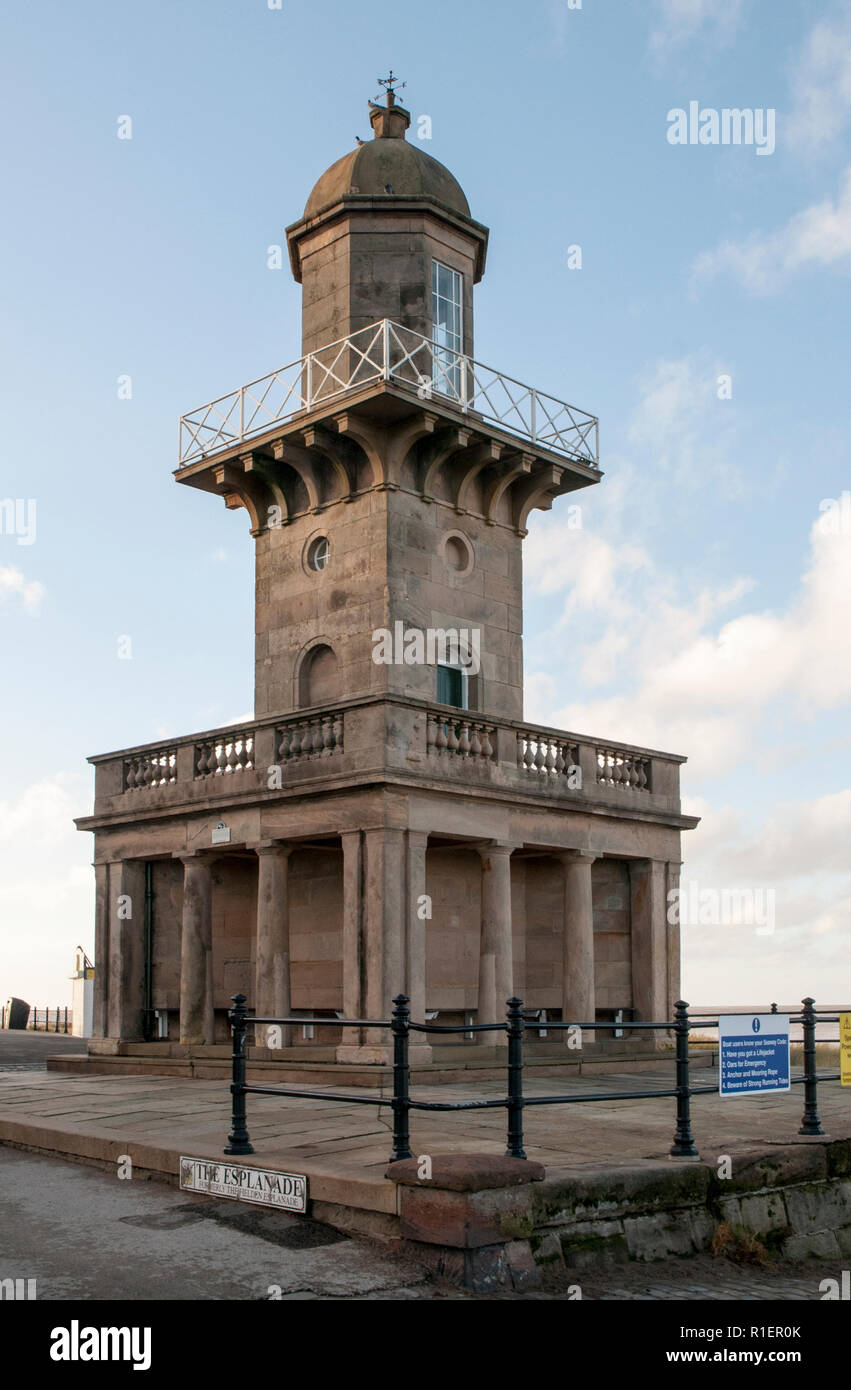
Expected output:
(845, 1049)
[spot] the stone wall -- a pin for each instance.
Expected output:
(794, 1199)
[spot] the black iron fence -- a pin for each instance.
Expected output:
(514, 1102)
(58, 1020)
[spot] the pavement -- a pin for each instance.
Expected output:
(344, 1149)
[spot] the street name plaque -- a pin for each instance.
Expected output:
(287, 1191)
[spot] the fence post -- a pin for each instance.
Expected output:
(683, 1146)
(401, 1080)
(810, 1122)
(238, 1139)
(516, 1029)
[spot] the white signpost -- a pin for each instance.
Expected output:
(287, 1191)
(754, 1054)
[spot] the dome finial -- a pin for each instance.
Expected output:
(391, 121)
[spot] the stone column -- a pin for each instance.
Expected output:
(125, 1004)
(496, 972)
(196, 953)
(382, 939)
(673, 938)
(272, 978)
(101, 990)
(348, 1049)
(649, 931)
(415, 979)
(578, 998)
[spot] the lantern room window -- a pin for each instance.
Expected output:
(447, 328)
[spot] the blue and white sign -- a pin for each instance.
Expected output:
(754, 1054)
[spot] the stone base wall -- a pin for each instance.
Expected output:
(795, 1200)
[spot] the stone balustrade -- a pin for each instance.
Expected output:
(617, 767)
(460, 737)
(155, 767)
(399, 736)
(545, 756)
(217, 757)
(319, 737)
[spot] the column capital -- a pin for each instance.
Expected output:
(576, 856)
(489, 849)
(418, 839)
(261, 847)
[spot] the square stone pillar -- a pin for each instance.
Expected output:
(496, 972)
(125, 914)
(197, 1023)
(649, 932)
(578, 996)
(101, 983)
(272, 979)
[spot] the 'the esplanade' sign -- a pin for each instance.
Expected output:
(261, 1185)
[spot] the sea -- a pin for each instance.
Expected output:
(825, 1032)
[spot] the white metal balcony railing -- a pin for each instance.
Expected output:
(388, 351)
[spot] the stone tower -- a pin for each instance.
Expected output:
(387, 821)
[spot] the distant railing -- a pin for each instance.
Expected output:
(58, 1020)
(515, 1102)
(390, 352)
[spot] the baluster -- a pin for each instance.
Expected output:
(219, 757)
(475, 742)
(561, 761)
(249, 751)
(441, 740)
(316, 739)
(327, 736)
(528, 753)
(338, 733)
(297, 742)
(464, 740)
(540, 755)
(551, 759)
(148, 774)
(452, 738)
(431, 733)
(284, 743)
(487, 746)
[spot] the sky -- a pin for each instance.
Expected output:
(694, 296)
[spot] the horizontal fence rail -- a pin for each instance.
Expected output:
(387, 351)
(514, 1102)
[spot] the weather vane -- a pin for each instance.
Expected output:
(389, 84)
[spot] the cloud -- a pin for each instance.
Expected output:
(46, 890)
(678, 22)
(14, 584)
(821, 85)
(817, 237)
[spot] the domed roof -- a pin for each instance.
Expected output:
(388, 166)
(383, 168)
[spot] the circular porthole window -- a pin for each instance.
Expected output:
(457, 553)
(318, 553)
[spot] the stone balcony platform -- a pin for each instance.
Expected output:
(385, 739)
